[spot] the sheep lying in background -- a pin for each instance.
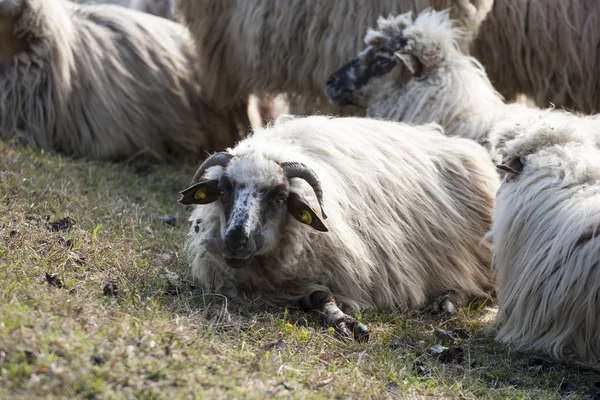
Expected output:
(272, 47)
(407, 207)
(545, 49)
(103, 82)
(546, 241)
(413, 71)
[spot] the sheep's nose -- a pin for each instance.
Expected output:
(237, 239)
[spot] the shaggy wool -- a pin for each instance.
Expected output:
(407, 210)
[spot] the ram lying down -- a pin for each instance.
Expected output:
(407, 212)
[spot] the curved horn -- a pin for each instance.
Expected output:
(295, 169)
(221, 158)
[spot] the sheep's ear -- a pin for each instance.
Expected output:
(204, 192)
(302, 211)
(411, 62)
(514, 165)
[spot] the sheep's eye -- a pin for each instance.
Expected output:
(280, 199)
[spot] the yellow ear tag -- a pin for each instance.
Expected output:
(200, 194)
(306, 217)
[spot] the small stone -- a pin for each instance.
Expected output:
(110, 289)
(54, 280)
(98, 359)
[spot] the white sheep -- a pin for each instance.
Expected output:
(546, 240)
(412, 70)
(545, 49)
(104, 82)
(272, 47)
(407, 208)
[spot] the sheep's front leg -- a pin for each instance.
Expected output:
(334, 317)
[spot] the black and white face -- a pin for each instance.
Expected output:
(366, 77)
(255, 198)
(356, 82)
(252, 218)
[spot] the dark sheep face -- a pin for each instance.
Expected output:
(361, 80)
(253, 216)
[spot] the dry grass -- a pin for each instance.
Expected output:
(159, 337)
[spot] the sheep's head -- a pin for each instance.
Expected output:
(254, 196)
(542, 135)
(399, 50)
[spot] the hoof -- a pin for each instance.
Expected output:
(448, 303)
(361, 333)
(347, 325)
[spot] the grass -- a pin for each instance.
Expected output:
(106, 310)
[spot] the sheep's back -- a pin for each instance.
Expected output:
(408, 207)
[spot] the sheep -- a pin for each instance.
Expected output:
(407, 211)
(547, 50)
(412, 70)
(273, 47)
(104, 82)
(546, 243)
